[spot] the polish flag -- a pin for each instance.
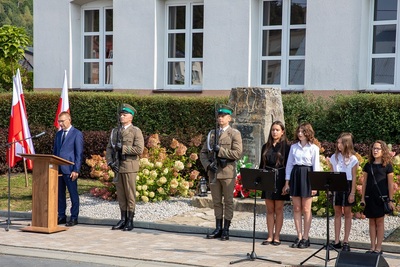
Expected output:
(63, 103)
(18, 130)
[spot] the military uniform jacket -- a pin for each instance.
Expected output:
(230, 142)
(132, 148)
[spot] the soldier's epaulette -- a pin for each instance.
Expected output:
(235, 130)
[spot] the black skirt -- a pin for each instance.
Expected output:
(299, 183)
(276, 194)
(342, 198)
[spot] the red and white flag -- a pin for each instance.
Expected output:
(63, 103)
(18, 129)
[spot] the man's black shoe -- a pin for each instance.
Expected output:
(72, 222)
(62, 220)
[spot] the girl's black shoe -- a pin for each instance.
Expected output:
(304, 243)
(295, 243)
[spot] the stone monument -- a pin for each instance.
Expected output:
(255, 110)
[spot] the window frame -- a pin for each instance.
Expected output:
(101, 60)
(188, 59)
(285, 56)
(371, 55)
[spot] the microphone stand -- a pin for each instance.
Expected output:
(8, 146)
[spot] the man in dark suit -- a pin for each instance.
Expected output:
(68, 145)
(222, 170)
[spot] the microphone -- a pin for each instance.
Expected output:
(38, 135)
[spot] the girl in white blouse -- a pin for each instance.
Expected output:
(344, 160)
(303, 158)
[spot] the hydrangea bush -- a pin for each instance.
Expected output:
(163, 172)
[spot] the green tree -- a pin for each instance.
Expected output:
(13, 41)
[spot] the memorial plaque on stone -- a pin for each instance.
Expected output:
(255, 110)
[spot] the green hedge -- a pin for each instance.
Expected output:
(97, 111)
(367, 116)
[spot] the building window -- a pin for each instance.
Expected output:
(97, 48)
(383, 47)
(283, 40)
(184, 68)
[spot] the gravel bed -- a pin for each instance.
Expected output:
(97, 208)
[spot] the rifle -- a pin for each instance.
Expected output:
(214, 160)
(116, 153)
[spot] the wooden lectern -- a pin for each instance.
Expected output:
(45, 193)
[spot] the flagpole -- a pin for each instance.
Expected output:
(26, 175)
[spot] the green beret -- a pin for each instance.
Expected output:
(224, 110)
(126, 108)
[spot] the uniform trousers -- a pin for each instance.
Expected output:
(223, 188)
(126, 191)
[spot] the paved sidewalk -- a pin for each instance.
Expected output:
(174, 242)
(144, 247)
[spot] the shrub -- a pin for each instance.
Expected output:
(163, 172)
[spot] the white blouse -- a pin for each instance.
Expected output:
(344, 165)
(307, 155)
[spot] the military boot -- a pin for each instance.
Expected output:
(225, 231)
(218, 230)
(121, 223)
(129, 222)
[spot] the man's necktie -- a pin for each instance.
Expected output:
(63, 137)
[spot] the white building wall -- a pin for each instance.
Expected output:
(226, 44)
(51, 42)
(134, 44)
(336, 34)
(336, 44)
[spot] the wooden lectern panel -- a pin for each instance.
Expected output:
(45, 193)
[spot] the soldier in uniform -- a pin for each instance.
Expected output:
(219, 159)
(126, 141)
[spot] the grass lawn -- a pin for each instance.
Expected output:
(21, 195)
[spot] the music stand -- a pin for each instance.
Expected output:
(328, 181)
(257, 179)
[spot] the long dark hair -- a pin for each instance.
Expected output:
(280, 159)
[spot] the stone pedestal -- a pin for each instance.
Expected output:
(255, 109)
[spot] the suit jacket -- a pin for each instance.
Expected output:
(230, 142)
(132, 148)
(71, 149)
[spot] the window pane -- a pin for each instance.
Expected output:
(91, 20)
(176, 72)
(297, 42)
(176, 45)
(296, 72)
(176, 17)
(272, 43)
(91, 47)
(197, 73)
(109, 20)
(109, 73)
(109, 46)
(384, 39)
(382, 71)
(385, 10)
(298, 12)
(197, 43)
(272, 13)
(91, 73)
(198, 12)
(271, 72)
